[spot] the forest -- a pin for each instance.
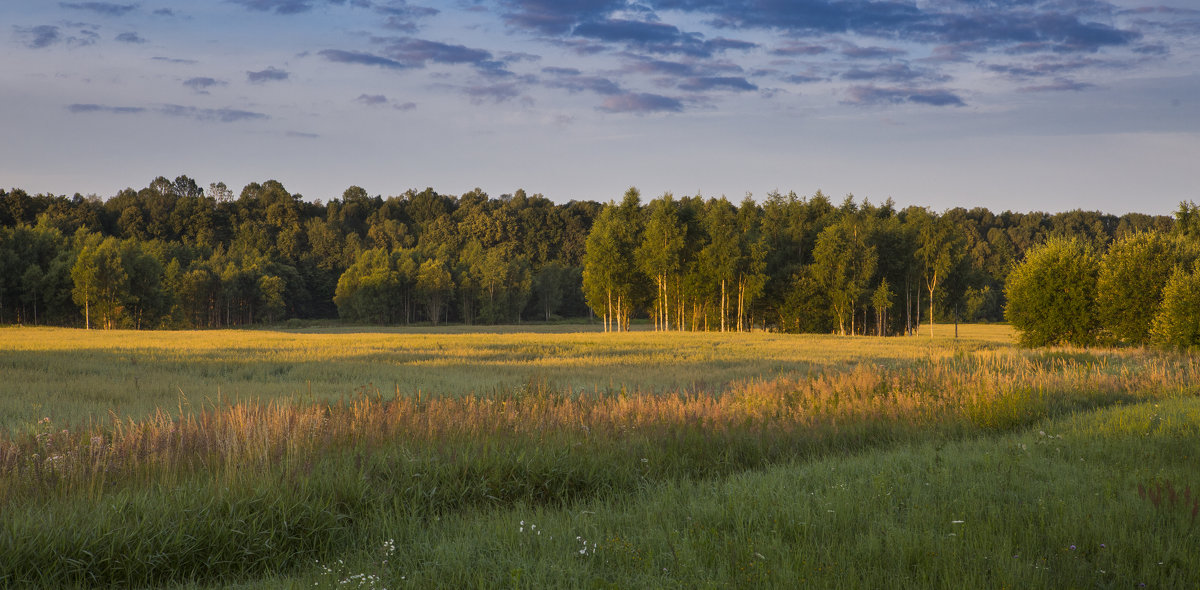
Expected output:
(175, 255)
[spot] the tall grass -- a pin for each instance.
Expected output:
(1056, 506)
(233, 491)
(75, 375)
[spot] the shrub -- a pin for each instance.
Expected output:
(1051, 294)
(1178, 321)
(1130, 284)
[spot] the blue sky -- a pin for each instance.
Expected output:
(1009, 104)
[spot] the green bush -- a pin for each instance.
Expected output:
(1130, 284)
(1178, 321)
(1052, 294)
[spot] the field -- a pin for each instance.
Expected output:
(556, 457)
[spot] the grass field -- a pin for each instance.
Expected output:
(71, 375)
(579, 459)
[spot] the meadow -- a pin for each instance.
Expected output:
(555, 457)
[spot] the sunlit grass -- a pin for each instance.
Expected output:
(688, 460)
(72, 375)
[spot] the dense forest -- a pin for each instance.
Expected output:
(175, 255)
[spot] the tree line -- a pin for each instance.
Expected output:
(175, 255)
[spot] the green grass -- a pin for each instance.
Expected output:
(705, 460)
(1056, 506)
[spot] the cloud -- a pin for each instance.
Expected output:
(1059, 85)
(410, 52)
(705, 83)
(103, 8)
(1064, 26)
(417, 52)
(42, 36)
(202, 84)
(656, 37)
(1054, 67)
(356, 57)
(400, 16)
(175, 60)
(225, 115)
(372, 99)
(39, 36)
(492, 92)
(277, 6)
(572, 80)
(268, 75)
(796, 48)
(856, 52)
(803, 78)
(896, 73)
(302, 135)
(874, 95)
(130, 38)
(640, 103)
(554, 17)
(405, 106)
(163, 12)
(97, 108)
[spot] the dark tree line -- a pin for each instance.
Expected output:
(174, 254)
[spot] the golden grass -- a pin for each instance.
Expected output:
(984, 388)
(76, 375)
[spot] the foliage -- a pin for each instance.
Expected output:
(1051, 294)
(844, 265)
(1130, 284)
(1178, 321)
(262, 254)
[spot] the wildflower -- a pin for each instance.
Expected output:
(1072, 547)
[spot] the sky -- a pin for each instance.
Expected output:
(1023, 105)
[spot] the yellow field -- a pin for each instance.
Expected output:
(76, 375)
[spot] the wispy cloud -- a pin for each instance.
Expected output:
(270, 74)
(417, 53)
(641, 103)
(103, 8)
(656, 37)
(224, 115)
(482, 93)
(706, 83)
(875, 95)
(572, 80)
(277, 6)
(97, 108)
(130, 38)
(39, 36)
(1059, 85)
(360, 58)
(372, 99)
(175, 60)
(401, 16)
(201, 84)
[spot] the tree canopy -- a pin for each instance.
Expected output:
(174, 255)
